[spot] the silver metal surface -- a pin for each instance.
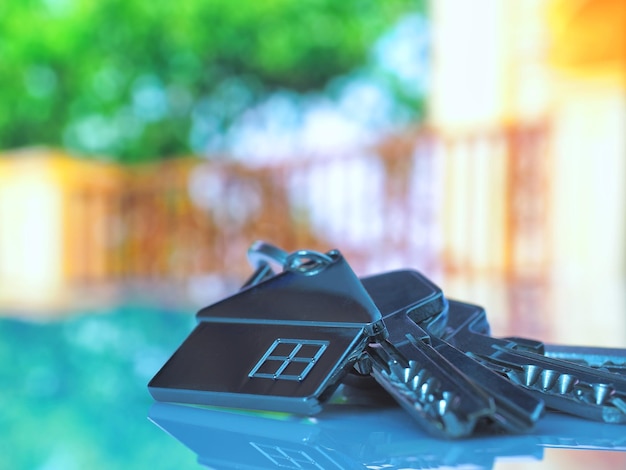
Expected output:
(566, 386)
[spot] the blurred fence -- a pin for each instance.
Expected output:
(457, 203)
(446, 204)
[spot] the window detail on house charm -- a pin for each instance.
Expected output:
(289, 359)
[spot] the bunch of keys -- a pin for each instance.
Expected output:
(290, 337)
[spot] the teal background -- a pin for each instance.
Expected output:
(73, 391)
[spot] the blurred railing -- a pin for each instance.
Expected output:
(453, 203)
(450, 205)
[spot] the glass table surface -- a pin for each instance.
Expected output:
(73, 395)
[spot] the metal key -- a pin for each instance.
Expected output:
(284, 343)
(424, 302)
(607, 359)
(431, 389)
(434, 392)
(406, 299)
(566, 386)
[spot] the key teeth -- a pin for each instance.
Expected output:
(601, 393)
(419, 383)
(548, 379)
(566, 385)
(396, 370)
(409, 373)
(444, 404)
(531, 374)
(420, 378)
(429, 388)
(413, 370)
(413, 376)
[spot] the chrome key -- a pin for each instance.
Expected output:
(432, 390)
(407, 296)
(411, 292)
(607, 359)
(563, 385)
(516, 411)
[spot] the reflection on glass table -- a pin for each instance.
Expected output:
(345, 437)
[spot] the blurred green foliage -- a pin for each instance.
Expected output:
(124, 77)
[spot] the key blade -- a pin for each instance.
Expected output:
(439, 406)
(406, 290)
(565, 386)
(464, 318)
(610, 359)
(433, 391)
(399, 296)
(516, 410)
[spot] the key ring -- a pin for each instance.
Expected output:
(307, 262)
(261, 253)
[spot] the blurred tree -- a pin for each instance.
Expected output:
(124, 77)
